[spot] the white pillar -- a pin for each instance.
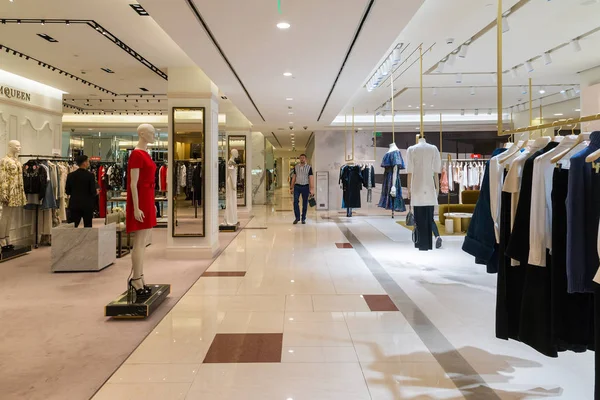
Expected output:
(190, 87)
(258, 169)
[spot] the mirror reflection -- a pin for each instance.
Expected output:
(188, 177)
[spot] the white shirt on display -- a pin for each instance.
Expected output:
(423, 162)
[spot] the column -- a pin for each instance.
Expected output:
(190, 87)
(590, 97)
(258, 169)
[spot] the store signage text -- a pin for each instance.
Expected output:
(11, 93)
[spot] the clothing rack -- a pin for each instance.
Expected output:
(469, 159)
(42, 157)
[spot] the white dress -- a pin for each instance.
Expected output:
(231, 195)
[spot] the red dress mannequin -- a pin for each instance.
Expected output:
(141, 159)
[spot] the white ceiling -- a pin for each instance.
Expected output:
(538, 26)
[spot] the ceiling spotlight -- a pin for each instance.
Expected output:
(529, 66)
(514, 72)
(440, 66)
(283, 25)
(472, 90)
(459, 78)
(451, 58)
(505, 26)
(462, 53)
(396, 56)
(462, 112)
(547, 59)
(523, 90)
(43, 22)
(18, 22)
(435, 91)
(289, 98)
(564, 94)
(542, 90)
(287, 74)
(490, 111)
(67, 22)
(476, 111)
(558, 114)
(575, 45)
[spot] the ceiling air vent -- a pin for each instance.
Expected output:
(139, 9)
(47, 37)
(107, 70)
(143, 89)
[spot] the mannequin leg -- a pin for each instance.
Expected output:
(137, 256)
(5, 223)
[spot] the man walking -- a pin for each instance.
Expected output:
(81, 186)
(303, 183)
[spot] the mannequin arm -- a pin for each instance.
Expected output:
(394, 177)
(135, 176)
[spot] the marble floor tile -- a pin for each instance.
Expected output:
(280, 381)
(340, 303)
(377, 322)
(301, 354)
(390, 348)
(380, 302)
(298, 302)
(212, 274)
(216, 286)
(252, 322)
(257, 303)
(157, 373)
(299, 316)
(146, 391)
(316, 334)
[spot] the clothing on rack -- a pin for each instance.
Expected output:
(352, 182)
(392, 160)
(368, 177)
(163, 178)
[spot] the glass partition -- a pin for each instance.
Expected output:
(187, 154)
(239, 143)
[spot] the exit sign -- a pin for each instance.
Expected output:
(378, 134)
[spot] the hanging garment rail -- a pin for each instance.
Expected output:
(469, 159)
(554, 124)
(42, 157)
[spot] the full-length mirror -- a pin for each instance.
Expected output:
(187, 154)
(238, 143)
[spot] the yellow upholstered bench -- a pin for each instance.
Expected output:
(469, 197)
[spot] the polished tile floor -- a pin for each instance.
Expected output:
(340, 309)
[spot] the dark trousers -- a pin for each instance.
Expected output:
(303, 190)
(75, 215)
(436, 231)
(424, 222)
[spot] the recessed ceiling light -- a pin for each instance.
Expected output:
(283, 25)
(287, 74)
(291, 122)
(290, 113)
(289, 98)
(558, 114)
(578, 109)
(409, 106)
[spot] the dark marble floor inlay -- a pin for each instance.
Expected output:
(208, 274)
(380, 302)
(245, 348)
(343, 245)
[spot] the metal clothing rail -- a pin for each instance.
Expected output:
(555, 124)
(43, 157)
(469, 159)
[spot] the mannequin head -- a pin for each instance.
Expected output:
(146, 133)
(14, 148)
(234, 153)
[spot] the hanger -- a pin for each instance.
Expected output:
(516, 147)
(580, 138)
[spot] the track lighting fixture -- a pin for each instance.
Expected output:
(542, 90)
(529, 66)
(490, 111)
(451, 58)
(547, 59)
(396, 56)
(43, 22)
(462, 112)
(514, 72)
(564, 94)
(472, 90)
(18, 22)
(575, 45)
(462, 53)
(523, 90)
(67, 23)
(505, 26)
(476, 111)
(459, 78)
(440, 66)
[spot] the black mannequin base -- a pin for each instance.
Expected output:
(122, 307)
(229, 228)
(16, 251)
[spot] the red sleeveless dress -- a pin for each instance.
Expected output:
(141, 159)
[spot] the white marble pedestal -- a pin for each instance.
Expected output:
(83, 249)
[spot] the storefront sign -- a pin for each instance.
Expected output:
(95, 158)
(11, 93)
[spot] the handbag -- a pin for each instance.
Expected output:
(410, 218)
(311, 201)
